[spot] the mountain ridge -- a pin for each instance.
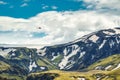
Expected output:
(95, 42)
(76, 55)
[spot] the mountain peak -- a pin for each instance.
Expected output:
(86, 50)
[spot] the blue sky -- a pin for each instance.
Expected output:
(29, 8)
(61, 21)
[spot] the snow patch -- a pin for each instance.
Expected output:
(93, 56)
(99, 68)
(108, 67)
(54, 57)
(6, 51)
(82, 54)
(69, 66)
(64, 61)
(30, 55)
(74, 46)
(65, 52)
(98, 78)
(13, 54)
(112, 44)
(118, 66)
(108, 33)
(117, 40)
(102, 44)
(32, 65)
(80, 78)
(41, 52)
(94, 38)
(43, 68)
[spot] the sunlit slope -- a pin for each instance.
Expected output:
(67, 75)
(109, 63)
(100, 70)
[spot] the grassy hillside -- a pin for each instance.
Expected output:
(112, 73)
(58, 75)
(111, 61)
(6, 76)
(4, 66)
(46, 63)
(67, 75)
(4, 72)
(109, 68)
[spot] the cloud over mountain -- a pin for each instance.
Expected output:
(59, 27)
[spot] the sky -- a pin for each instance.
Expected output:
(61, 21)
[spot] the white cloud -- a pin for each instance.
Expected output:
(54, 7)
(60, 27)
(45, 7)
(24, 5)
(101, 4)
(3, 3)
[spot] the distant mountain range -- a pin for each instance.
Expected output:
(83, 54)
(38, 46)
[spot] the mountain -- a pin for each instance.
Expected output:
(20, 61)
(84, 54)
(81, 53)
(107, 64)
(106, 73)
(110, 71)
